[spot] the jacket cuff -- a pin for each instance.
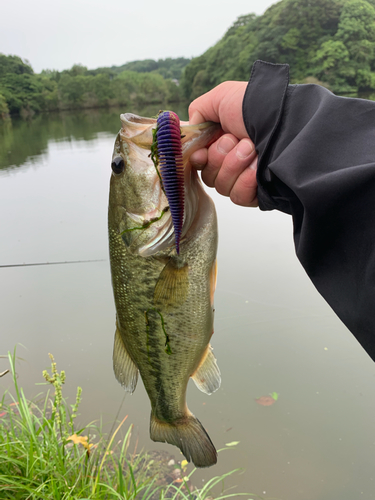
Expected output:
(262, 109)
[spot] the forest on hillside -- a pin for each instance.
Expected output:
(330, 42)
(22, 92)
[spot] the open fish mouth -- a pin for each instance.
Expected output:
(159, 149)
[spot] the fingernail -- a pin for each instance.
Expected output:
(225, 145)
(244, 149)
(254, 164)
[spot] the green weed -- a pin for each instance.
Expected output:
(43, 456)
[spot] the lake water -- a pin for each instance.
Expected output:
(273, 332)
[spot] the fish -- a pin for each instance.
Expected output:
(163, 297)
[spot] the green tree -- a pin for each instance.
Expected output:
(357, 31)
(14, 65)
(168, 68)
(200, 84)
(100, 86)
(4, 110)
(77, 69)
(22, 92)
(72, 89)
(333, 62)
(331, 41)
(346, 61)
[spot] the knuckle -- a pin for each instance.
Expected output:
(208, 178)
(221, 188)
(244, 191)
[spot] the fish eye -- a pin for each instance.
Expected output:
(118, 165)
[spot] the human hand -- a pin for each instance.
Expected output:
(229, 164)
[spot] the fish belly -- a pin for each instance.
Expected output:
(166, 346)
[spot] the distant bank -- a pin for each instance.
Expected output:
(328, 42)
(24, 93)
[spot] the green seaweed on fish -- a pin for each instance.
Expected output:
(147, 223)
(168, 349)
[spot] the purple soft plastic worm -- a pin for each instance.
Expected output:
(168, 135)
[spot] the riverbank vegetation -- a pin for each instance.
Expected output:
(44, 455)
(23, 141)
(22, 92)
(331, 42)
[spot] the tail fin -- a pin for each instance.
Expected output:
(187, 434)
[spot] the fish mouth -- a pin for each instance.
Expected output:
(194, 137)
(130, 120)
(139, 131)
(198, 136)
(136, 119)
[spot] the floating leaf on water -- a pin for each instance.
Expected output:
(265, 401)
(232, 443)
(274, 395)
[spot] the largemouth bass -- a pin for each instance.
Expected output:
(164, 299)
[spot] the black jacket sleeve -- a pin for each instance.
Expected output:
(317, 163)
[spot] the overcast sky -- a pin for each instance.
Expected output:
(55, 34)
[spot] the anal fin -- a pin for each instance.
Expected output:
(207, 376)
(125, 369)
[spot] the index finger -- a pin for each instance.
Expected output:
(203, 109)
(222, 104)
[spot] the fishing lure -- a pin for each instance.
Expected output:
(166, 153)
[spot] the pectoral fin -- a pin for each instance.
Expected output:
(172, 286)
(207, 376)
(124, 367)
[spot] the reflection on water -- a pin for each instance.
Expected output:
(24, 141)
(273, 332)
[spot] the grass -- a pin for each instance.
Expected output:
(43, 456)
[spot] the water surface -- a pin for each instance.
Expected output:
(273, 332)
